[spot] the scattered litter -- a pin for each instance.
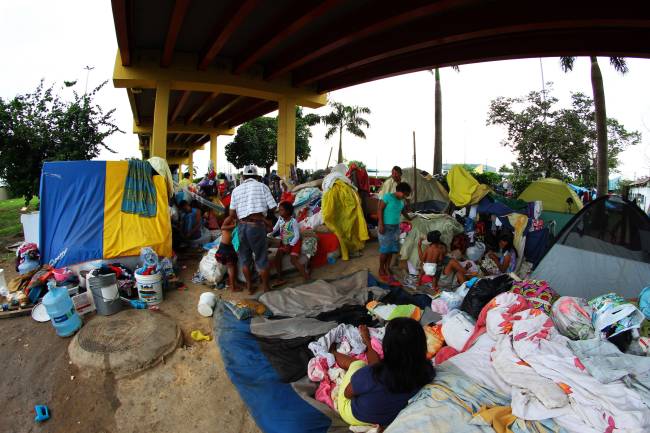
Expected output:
(207, 301)
(42, 413)
(200, 336)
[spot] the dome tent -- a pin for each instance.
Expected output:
(605, 247)
(554, 195)
(431, 193)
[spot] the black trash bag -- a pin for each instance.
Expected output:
(483, 291)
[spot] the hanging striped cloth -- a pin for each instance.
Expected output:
(139, 191)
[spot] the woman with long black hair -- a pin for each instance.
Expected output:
(376, 392)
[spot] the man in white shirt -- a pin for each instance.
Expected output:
(250, 203)
(390, 184)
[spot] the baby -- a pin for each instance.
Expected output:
(432, 257)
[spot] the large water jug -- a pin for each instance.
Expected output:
(62, 313)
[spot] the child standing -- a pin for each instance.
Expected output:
(226, 254)
(289, 231)
(391, 207)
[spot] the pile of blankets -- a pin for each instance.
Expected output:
(550, 365)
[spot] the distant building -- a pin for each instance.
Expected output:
(640, 192)
(478, 168)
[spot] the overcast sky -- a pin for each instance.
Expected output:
(55, 40)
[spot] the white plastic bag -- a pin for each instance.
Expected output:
(457, 327)
(212, 270)
(476, 251)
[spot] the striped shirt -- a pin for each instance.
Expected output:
(251, 197)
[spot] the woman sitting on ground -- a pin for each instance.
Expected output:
(459, 245)
(506, 256)
(377, 392)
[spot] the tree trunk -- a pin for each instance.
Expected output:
(602, 172)
(437, 146)
(340, 144)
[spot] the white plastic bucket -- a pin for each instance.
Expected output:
(207, 301)
(4, 290)
(31, 226)
(149, 288)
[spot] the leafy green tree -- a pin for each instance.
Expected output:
(348, 118)
(488, 178)
(256, 141)
(41, 126)
(602, 123)
(555, 142)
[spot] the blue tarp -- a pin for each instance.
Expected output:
(274, 405)
(494, 208)
(72, 196)
(578, 189)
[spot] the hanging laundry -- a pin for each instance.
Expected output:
(139, 190)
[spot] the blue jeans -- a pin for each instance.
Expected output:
(252, 241)
(389, 241)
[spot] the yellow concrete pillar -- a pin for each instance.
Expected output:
(213, 150)
(190, 164)
(160, 116)
(286, 136)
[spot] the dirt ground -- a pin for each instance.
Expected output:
(189, 392)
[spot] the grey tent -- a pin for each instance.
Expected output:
(605, 247)
(431, 194)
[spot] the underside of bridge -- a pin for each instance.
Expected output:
(195, 69)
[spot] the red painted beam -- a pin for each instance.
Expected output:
(179, 106)
(225, 30)
(581, 42)
(234, 107)
(174, 28)
(447, 32)
(234, 100)
(277, 33)
(357, 28)
(121, 19)
(255, 111)
(201, 106)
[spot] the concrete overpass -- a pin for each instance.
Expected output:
(195, 69)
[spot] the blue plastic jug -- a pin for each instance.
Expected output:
(59, 306)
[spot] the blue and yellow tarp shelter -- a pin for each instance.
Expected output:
(81, 214)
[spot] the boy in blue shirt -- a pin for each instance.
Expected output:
(391, 207)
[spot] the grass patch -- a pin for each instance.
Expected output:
(10, 227)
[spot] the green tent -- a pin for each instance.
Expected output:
(555, 195)
(559, 202)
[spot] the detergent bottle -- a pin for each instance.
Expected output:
(62, 313)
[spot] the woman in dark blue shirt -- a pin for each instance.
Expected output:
(377, 392)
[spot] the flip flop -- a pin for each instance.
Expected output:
(393, 282)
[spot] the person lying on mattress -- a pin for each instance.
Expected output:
(374, 394)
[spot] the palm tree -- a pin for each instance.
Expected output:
(348, 118)
(619, 63)
(437, 142)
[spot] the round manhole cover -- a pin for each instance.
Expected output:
(124, 343)
(117, 334)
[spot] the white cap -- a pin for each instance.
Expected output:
(250, 170)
